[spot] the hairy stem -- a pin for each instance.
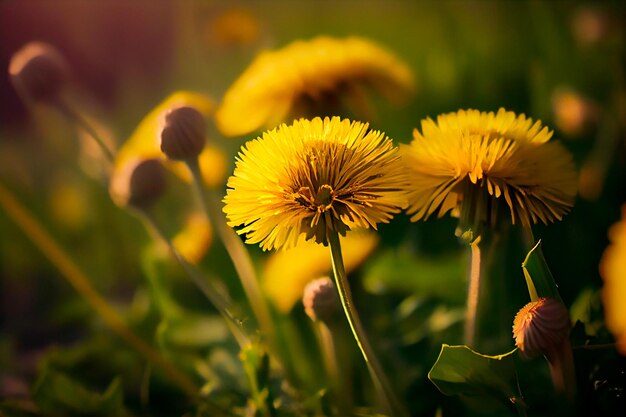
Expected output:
(473, 293)
(209, 291)
(236, 250)
(381, 383)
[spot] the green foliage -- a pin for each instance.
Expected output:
(58, 394)
(486, 379)
(539, 279)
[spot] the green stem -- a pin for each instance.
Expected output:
(381, 383)
(562, 371)
(80, 121)
(338, 383)
(236, 250)
(211, 293)
(473, 293)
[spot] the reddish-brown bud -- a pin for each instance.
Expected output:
(183, 133)
(541, 327)
(39, 71)
(320, 299)
(139, 184)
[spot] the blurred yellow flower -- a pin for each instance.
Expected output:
(572, 112)
(144, 142)
(468, 160)
(613, 272)
(314, 177)
(69, 203)
(287, 272)
(296, 80)
(193, 241)
(234, 26)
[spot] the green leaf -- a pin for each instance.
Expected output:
(461, 371)
(58, 394)
(255, 361)
(539, 279)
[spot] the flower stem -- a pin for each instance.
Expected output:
(381, 383)
(562, 371)
(81, 122)
(236, 250)
(473, 293)
(77, 279)
(212, 294)
(338, 382)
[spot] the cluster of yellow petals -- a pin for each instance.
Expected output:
(481, 157)
(314, 177)
(274, 87)
(613, 271)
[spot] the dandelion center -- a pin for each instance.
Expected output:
(321, 201)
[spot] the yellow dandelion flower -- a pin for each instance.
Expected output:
(287, 272)
(613, 272)
(144, 142)
(469, 161)
(315, 177)
(296, 80)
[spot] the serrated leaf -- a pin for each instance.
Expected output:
(461, 371)
(58, 394)
(539, 279)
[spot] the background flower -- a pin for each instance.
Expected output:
(613, 271)
(472, 158)
(308, 77)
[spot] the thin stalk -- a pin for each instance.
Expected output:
(79, 281)
(338, 382)
(205, 286)
(381, 383)
(562, 371)
(473, 293)
(80, 121)
(236, 250)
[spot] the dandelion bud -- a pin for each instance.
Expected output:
(183, 133)
(320, 299)
(139, 184)
(39, 71)
(541, 327)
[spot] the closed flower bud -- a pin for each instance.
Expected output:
(139, 184)
(320, 299)
(39, 71)
(183, 133)
(541, 327)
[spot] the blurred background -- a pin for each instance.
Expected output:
(560, 62)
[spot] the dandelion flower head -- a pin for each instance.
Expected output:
(314, 177)
(469, 161)
(301, 78)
